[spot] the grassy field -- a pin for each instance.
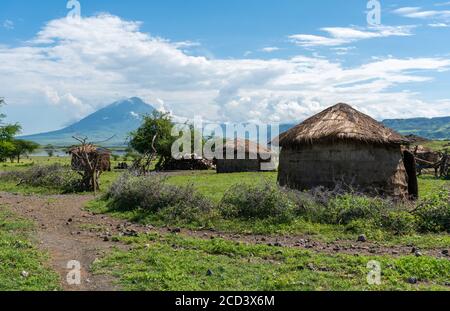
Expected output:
(208, 183)
(171, 262)
(157, 262)
(438, 145)
(22, 265)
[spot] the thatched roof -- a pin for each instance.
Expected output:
(337, 123)
(89, 148)
(245, 146)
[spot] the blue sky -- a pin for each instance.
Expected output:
(234, 60)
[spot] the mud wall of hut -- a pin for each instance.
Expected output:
(238, 165)
(361, 165)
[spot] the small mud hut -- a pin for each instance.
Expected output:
(241, 155)
(90, 162)
(93, 152)
(342, 146)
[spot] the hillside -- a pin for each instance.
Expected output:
(434, 128)
(118, 119)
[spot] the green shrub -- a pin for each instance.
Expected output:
(359, 213)
(345, 208)
(434, 213)
(55, 176)
(154, 196)
(361, 226)
(400, 222)
(261, 201)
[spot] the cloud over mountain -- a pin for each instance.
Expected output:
(73, 65)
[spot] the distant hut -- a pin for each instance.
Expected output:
(343, 146)
(92, 151)
(243, 155)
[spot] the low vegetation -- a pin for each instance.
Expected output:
(54, 177)
(152, 196)
(242, 203)
(23, 266)
(154, 199)
(155, 262)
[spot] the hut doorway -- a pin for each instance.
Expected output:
(410, 166)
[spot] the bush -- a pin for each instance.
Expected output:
(339, 209)
(434, 213)
(262, 201)
(400, 222)
(54, 176)
(153, 195)
(357, 212)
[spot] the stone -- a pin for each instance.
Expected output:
(209, 272)
(311, 267)
(418, 254)
(362, 238)
(25, 274)
(412, 280)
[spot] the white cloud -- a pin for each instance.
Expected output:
(270, 49)
(439, 25)
(418, 12)
(79, 66)
(343, 50)
(8, 24)
(343, 35)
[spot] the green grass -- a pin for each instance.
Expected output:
(437, 145)
(298, 227)
(107, 178)
(18, 253)
(180, 263)
(213, 185)
(207, 183)
(157, 262)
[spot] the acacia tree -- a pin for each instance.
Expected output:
(7, 134)
(50, 149)
(20, 148)
(153, 136)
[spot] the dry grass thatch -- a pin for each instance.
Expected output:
(337, 123)
(245, 146)
(88, 148)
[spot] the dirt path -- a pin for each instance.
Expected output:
(68, 232)
(56, 218)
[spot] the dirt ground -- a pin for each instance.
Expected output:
(68, 232)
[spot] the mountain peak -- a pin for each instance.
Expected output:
(117, 119)
(130, 101)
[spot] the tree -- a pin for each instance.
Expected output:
(155, 133)
(50, 149)
(7, 134)
(20, 148)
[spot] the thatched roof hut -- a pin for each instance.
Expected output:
(243, 155)
(343, 146)
(92, 151)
